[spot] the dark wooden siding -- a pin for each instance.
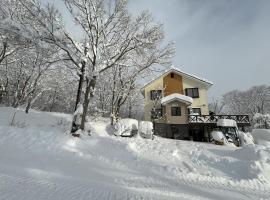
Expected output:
(172, 85)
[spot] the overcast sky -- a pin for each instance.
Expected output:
(225, 41)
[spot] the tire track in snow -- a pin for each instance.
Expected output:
(28, 188)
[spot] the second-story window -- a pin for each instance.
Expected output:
(155, 94)
(192, 92)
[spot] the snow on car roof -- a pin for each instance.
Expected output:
(226, 123)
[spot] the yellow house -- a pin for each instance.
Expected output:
(177, 103)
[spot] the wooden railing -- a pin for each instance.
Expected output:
(240, 119)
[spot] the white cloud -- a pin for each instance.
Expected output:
(225, 41)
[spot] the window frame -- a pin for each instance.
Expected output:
(192, 92)
(155, 94)
(199, 113)
(175, 113)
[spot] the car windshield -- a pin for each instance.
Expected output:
(228, 130)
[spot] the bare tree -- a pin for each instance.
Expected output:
(133, 107)
(115, 38)
(124, 83)
(254, 100)
(216, 106)
(24, 75)
(261, 121)
(11, 37)
(58, 89)
(111, 37)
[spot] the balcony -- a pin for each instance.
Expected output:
(241, 120)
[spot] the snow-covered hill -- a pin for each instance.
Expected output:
(39, 160)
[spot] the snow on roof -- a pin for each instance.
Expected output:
(173, 69)
(191, 75)
(176, 96)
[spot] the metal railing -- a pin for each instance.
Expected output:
(240, 119)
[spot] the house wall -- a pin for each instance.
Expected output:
(176, 119)
(165, 130)
(169, 85)
(148, 103)
(202, 101)
(172, 85)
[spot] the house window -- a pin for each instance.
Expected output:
(192, 92)
(172, 75)
(176, 111)
(157, 113)
(155, 94)
(196, 111)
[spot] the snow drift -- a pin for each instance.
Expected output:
(40, 160)
(245, 138)
(261, 136)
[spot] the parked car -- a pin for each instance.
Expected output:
(146, 130)
(126, 127)
(229, 129)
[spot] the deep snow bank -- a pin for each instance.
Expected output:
(261, 136)
(37, 155)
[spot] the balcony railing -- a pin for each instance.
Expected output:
(209, 119)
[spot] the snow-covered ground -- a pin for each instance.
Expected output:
(39, 160)
(262, 136)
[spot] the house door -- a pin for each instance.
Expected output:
(198, 135)
(175, 132)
